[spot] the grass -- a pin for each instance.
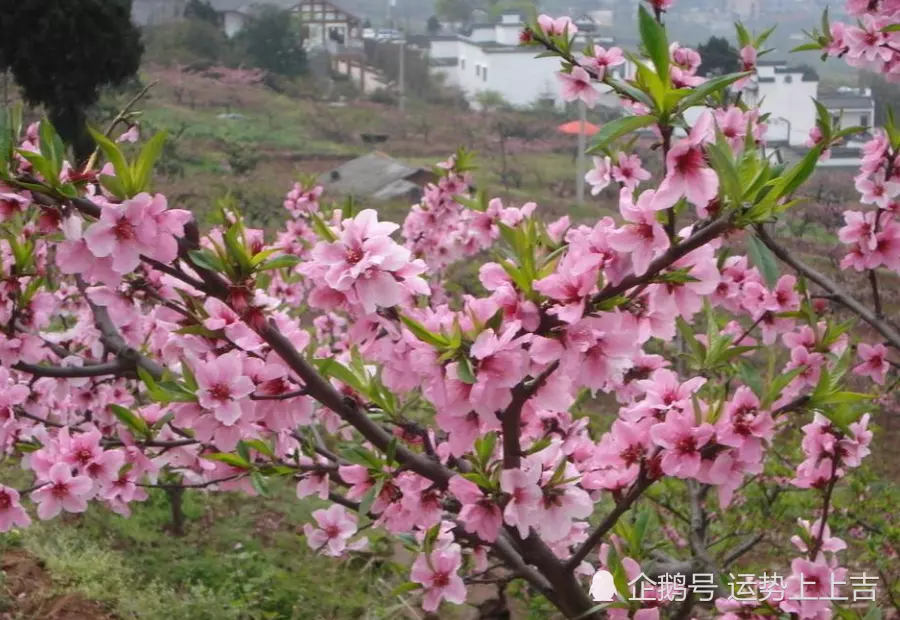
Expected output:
(240, 559)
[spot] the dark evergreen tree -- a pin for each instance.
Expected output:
(719, 57)
(61, 52)
(273, 42)
(202, 10)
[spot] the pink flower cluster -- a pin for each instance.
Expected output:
(113, 246)
(364, 269)
(874, 236)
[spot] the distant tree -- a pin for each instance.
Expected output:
(719, 57)
(202, 10)
(185, 42)
(456, 11)
(272, 42)
(434, 25)
(886, 95)
(491, 100)
(61, 52)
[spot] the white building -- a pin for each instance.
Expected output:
(490, 59)
(786, 94)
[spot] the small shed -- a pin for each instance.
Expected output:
(378, 177)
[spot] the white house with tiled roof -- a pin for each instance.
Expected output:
(489, 58)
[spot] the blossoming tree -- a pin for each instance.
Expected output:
(135, 352)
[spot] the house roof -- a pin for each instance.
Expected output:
(298, 7)
(846, 102)
(375, 175)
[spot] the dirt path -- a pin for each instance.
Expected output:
(28, 594)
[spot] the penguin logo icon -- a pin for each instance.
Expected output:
(603, 590)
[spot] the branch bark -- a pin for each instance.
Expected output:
(889, 333)
(637, 489)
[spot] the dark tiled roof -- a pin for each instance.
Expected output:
(846, 102)
(375, 174)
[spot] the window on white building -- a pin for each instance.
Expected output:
(478, 70)
(788, 79)
(864, 121)
(462, 64)
(484, 74)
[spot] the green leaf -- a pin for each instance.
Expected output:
(699, 94)
(464, 371)
(27, 448)
(259, 483)
(143, 167)
(114, 155)
(626, 89)
(484, 448)
(721, 161)
(891, 28)
(765, 261)
(114, 186)
(539, 445)
(807, 47)
(229, 459)
(651, 83)
(321, 228)
(779, 382)
(405, 587)
(423, 334)
(244, 451)
(653, 36)
(285, 261)
(360, 456)
(234, 243)
(52, 148)
(207, 260)
(133, 421)
(190, 380)
(793, 178)
(260, 446)
(333, 369)
(618, 128)
(365, 503)
(40, 164)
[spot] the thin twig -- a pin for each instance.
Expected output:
(118, 119)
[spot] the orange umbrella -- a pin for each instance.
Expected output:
(574, 128)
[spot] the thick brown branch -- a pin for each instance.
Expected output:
(113, 341)
(512, 415)
(117, 367)
(320, 389)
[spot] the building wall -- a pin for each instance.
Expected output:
(789, 101)
(851, 117)
(440, 48)
(507, 34)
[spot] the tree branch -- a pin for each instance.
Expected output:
(738, 552)
(698, 239)
(831, 287)
(113, 341)
(117, 367)
(512, 415)
(640, 485)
